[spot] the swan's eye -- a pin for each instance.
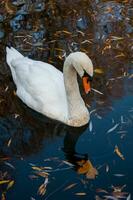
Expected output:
(90, 78)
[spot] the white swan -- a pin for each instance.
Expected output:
(49, 91)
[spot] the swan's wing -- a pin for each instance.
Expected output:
(41, 87)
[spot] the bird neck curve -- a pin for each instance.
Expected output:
(77, 111)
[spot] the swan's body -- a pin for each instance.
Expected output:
(45, 89)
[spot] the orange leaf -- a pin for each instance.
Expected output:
(87, 168)
(117, 151)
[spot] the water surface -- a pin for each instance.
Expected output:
(91, 162)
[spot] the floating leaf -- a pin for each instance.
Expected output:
(129, 197)
(113, 128)
(98, 71)
(97, 91)
(9, 164)
(117, 151)
(80, 193)
(107, 168)
(67, 163)
(86, 167)
(4, 181)
(42, 189)
(3, 197)
(110, 197)
(99, 190)
(10, 184)
(42, 174)
(9, 7)
(117, 38)
(37, 168)
(119, 175)
(70, 186)
(120, 55)
(32, 198)
(67, 32)
(90, 126)
(33, 177)
(9, 142)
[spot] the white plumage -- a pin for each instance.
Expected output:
(41, 86)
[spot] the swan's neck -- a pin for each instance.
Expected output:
(77, 111)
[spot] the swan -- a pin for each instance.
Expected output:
(50, 92)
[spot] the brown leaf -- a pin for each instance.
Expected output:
(9, 7)
(70, 186)
(100, 190)
(87, 168)
(42, 174)
(3, 197)
(42, 189)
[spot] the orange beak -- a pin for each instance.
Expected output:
(86, 85)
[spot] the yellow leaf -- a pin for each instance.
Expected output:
(120, 55)
(80, 193)
(36, 168)
(10, 184)
(4, 181)
(98, 71)
(67, 32)
(117, 151)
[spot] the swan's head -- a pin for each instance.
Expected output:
(84, 67)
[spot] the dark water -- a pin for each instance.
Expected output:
(47, 31)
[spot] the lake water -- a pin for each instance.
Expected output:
(91, 162)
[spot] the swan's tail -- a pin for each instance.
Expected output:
(12, 54)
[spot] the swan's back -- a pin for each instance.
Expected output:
(39, 85)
